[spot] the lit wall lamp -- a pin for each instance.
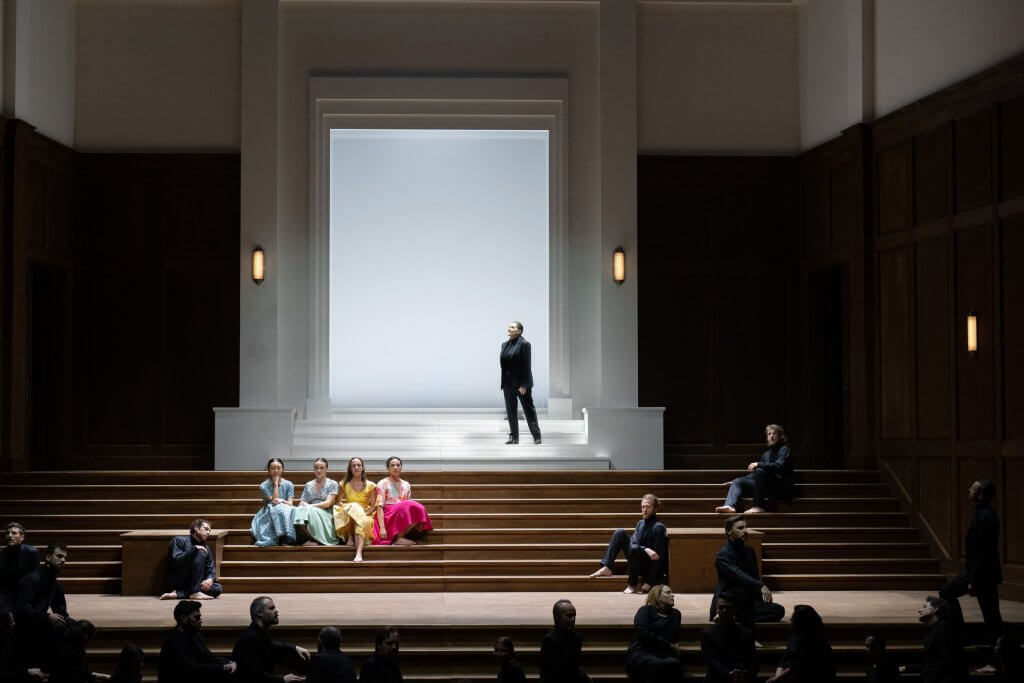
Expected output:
(619, 265)
(258, 265)
(972, 333)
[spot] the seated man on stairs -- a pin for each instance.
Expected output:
(646, 550)
(772, 475)
(191, 571)
(736, 563)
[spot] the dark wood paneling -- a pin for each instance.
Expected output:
(1011, 148)
(975, 375)
(934, 355)
(893, 183)
(934, 494)
(931, 175)
(973, 160)
(895, 350)
(1013, 326)
(815, 190)
(844, 214)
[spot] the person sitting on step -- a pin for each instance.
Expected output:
(727, 647)
(313, 517)
(772, 475)
(382, 666)
(400, 520)
(561, 649)
(808, 657)
(653, 655)
(191, 570)
(355, 508)
(16, 560)
(943, 657)
(736, 563)
(646, 550)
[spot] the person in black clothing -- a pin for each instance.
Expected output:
(509, 670)
(184, 655)
(42, 613)
(653, 654)
(983, 572)
(382, 665)
(517, 383)
(68, 658)
(737, 572)
(329, 665)
(881, 668)
(560, 651)
(191, 570)
(16, 560)
(728, 648)
(772, 475)
(129, 665)
(1008, 664)
(808, 657)
(646, 550)
(11, 670)
(943, 659)
(254, 651)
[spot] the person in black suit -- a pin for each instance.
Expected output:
(943, 658)
(509, 670)
(646, 550)
(881, 667)
(42, 613)
(809, 657)
(561, 649)
(16, 560)
(191, 570)
(772, 475)
(329, 665)
(728, 648)
(517, 383)
(737, 571)
(983, 572)
(653, 654)
(255, 652)
(382, 666)
(184, 655)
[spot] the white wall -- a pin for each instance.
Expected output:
(157, 74)
(718, 78)
(44, 67)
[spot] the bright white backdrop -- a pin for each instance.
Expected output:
(438, 238)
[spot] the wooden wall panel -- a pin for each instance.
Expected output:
(1011, 147)
(895, 349)
(1013, 326)
(972, 136)
(931, 175)
(934, 352)
(1013, 523)
(893, 183)
(815, 191)
(843, 216)
(975, 375)
(934, 494)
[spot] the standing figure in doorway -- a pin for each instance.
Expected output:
(772, 475)
(517, 383)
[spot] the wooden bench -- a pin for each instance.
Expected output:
(691, 557)
(144, 558)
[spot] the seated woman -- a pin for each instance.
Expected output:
(273, 524)
(653, 655)
(808, 657)
(353, 514)
(399, 519)
(312, 518)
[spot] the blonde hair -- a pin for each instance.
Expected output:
(654, 597)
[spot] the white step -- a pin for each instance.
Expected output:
(421, 426)
(356, 439)
(524, 456)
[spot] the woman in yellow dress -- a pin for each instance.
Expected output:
(353, 515)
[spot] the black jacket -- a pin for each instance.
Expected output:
(726, 648)
(560, 654)
(330, 667)
(943, 659)
(39, 592)
(777, 461)
(737, 569)
(256, 654)
(652, 635)
(511, 672)
(184, 656)
(809, 659)
(982, 548)
(651, 533)
(378, 669)
(15, 563)
(516, 370)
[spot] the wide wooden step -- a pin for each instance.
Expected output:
(851, 565)
(848, 581)
(429, 551)
(845, 549)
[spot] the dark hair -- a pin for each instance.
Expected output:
(130, 654)
(987, 490)
(323, 460)
(54, 547)
(942, 609)
(877, 640)
(383, 634)
(348, 470)
(519, 325)
(655, 501)
(330, 638)
(387, 463)
(730, 522)
(185, 608)
(273, 460)
(557, 607)
(258, 604)
(198, 523)
(505, 642)
(14, 525)
(806, 621)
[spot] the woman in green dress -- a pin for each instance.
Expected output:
(313, 519)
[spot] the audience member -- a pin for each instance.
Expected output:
(16, 560)
(69, 660)
(191, 570)
(738, 572)
(382, 665)
(184, 655)
(509, 670)
(772, 475)
(256, 653)
(312, 518)
(646, 550)
(728, 648)
(808, 657)
(129, 665)
(11, 668)
(42, 613)
(653, 654)
(329, 665)
(982, 572)
(274, 523)
(561, 649)
(943, 657)
(400, 520)
(356, 506)
(881, 668)
(1006, 654)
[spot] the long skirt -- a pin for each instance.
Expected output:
(318, 522)
(352, 517)
(273, 524)
(399, 518)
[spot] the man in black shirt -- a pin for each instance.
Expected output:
(727, 647)
(184, 655)
(16, 560)
(329, 665)
(943, 660)
(561, 649)
(11, 669)
(382, 665)
(254, 651)
(737, 569)
(772, 475)
(191, 571)
(646, 550)
(42, 613)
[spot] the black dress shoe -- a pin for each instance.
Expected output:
(511, 439)
(537, 440)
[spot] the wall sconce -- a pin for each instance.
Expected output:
(972, 333)
(258, 265)
(619, 266)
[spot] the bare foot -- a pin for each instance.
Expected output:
(725, 508)
(169, 596)
(755, 510)
(310, 544)
(629, 590)
(603, 571)
(200, 596)
(357, 558)
(402, 540)
(350, 544)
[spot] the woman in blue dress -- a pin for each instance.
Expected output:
(274, 523)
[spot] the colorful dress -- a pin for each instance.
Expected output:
(273, 523)
(400, 512)
(352, 512)
(318, 521)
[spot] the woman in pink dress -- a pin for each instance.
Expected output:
(400, 520)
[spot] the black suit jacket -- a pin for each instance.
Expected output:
(25, 557)
(38, 593)
(516, 369)
(184, 656)
(330, 667)
(560, 654)
(982, 548)
(737, 569)
(256, 653)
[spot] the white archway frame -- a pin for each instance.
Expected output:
(438, 103)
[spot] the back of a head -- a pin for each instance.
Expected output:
(329, 639)
(129, 664)
(382, 635)
(557, 608)
(807, 622)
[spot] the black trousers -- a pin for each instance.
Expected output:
(988, 601)
(646, 667)
(512, 412)
(185, 581)
(638, 564)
